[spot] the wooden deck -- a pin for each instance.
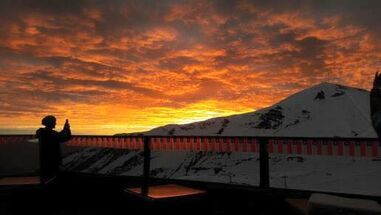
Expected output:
(167, 191)
(77, 195)
(16, 181)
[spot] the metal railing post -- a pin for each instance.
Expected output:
(146, 165)
(264, 163)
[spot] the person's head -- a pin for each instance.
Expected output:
(49, 121)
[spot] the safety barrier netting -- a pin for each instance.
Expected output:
(354, 147)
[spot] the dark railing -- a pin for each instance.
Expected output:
(354, 147)
(264, 146)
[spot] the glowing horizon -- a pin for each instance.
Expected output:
(121, 67)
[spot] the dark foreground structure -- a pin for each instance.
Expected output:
(89, 194)
(80, 193)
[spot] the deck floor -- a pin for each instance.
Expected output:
(11, 181)
(106, 196)
(168, 191)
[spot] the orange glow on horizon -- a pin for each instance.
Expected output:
(112, 119)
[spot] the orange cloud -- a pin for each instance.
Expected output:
(116, 67)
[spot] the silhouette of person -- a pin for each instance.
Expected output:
(375, 104)
(49, 144)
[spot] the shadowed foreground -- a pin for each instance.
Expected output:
(82, 194)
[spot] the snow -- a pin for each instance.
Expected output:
(324, 110)
(315, 173)
(323, 204)
(344, 112)
(330, 174)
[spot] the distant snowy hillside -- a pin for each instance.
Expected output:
(324, 110)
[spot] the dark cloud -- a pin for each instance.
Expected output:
(177, 63)
(90, 69)
(309, 56)
(225, 7)
(46, 6)
(62, 82)
(206, 89)
(351, 12)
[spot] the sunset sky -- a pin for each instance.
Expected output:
(126, 66)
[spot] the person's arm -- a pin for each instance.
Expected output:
(65, 134)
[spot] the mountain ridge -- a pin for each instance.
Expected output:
(309, 107)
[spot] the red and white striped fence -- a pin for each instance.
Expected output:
(14, 139)
(312, 146)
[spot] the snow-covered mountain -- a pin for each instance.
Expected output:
(324, 110)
